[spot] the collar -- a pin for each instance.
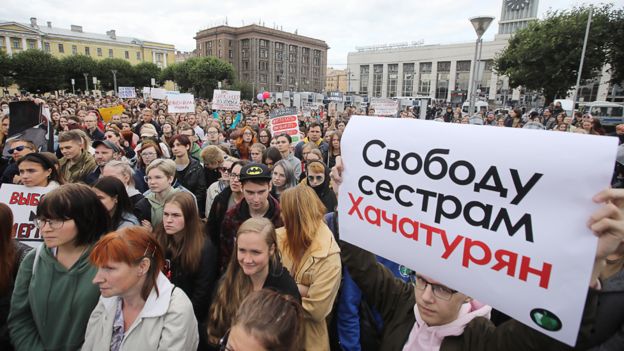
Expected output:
(155, 306)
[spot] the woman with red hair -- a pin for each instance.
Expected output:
(139, 309)
(244, 142)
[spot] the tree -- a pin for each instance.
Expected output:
(199, 74)
(615, 55)
(36, 71)
(75, 66)
(144, 72)
(545, 56)
(125, 73)
(5, 69)
(245, 88)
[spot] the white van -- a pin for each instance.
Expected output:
(609, 113)
(479, 105)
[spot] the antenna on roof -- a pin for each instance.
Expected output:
(226, 23)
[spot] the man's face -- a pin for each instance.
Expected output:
(256, 195)
(116, 119)
(283, 145)
(147, 116)
(434, 310)
(91, 122)
(191, 119)
(189, 133)
(314, 134)
(253, 121)
(70, 149)
(125, 119)
(20, 149)
(103, 155)
(178, 149)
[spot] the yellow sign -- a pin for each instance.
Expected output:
(108, 112)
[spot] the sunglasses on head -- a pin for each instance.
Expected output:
(19, 148)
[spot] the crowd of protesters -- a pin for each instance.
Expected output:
(205, 231)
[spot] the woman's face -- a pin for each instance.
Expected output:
(241, 340)
(278, 177)
(108, 201)
(328, 137)
(173, 218)
(56, 116)
(161, 119)
(563, 127)
(33, 174)
(166, 128)
(158, 181)
(63, 122)
(341, 126)
(264, 137)
(500, 122)
(274, 142)
(235, 184)
(112, 137)
(119, 278)
(315, 178)
(228, 119)
(148, 155)
(125, 126)
(335, 142)
(587, 125)
(225, 170)
(253, 254)
(247, 136)
(58, 232)
(256, 155)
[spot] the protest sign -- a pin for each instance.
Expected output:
(180, 103)
(481, 210)
(335, 96)
(23, 202)
(147, 91)
(285, 120)
(108, 112)
(158, 93)
(385, 107)
(227, 100)
(126, 92)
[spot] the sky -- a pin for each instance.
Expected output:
(344, 25)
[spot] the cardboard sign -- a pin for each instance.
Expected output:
(180, 103)
(146, 91)
(481, 210)
(385, 107)
(108, 112)
(126, 92)
(158, 93)
(227, 100)
(23, 202)
(285, 121)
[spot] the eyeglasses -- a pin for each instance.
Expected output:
(19, 148)
(247, 133)
(264, 137)
(224, 170)
(148, 154)
(54, 224)
(235, 176)
(223, 343)
(317, 179)
(213, 132)
(439, 291)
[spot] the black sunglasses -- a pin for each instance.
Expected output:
(19, 148)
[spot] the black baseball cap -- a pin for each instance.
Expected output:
(253, 171)
(108, 144)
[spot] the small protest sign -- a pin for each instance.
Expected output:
(227, 100)
(23, 202)
(285, 120)
(108, 112)
(146, 91)
(499, 226)
(126, 92)
(180, 103)
(385, 107)
(158, 93)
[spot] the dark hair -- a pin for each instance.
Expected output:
(314, 125)
(268, 142)
(77, 202)
(182, 139)
(47, 161)
(7, 249)
(284, 135)
(114, 187)
(271, 153)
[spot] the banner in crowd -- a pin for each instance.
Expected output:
(481, 210)
(180, 103)
(146, 91)
(227, 100)
(385, 107)
(27, 121)
(284, 120)
(126, 92)
(23, 202)
(158, 93)
(107, 113)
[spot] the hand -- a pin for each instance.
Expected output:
(336, 175)
(147, 225)
(608, 222)
(303, 290)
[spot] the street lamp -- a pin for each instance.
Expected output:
(480, 24)
(114, 72)
(86, 82)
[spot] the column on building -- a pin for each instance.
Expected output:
(7, 42)
(452, 78)
(24, 44)
(371, 72)
(39, 44)
(153, 56)
(399, 87)
(384, 81)
(165, 59)
(493, 86)
(434, 79)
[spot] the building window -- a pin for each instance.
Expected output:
(291, 80)
(46, 47)
(74, 50)
(424, 81)
(263, 43)
(462, 75)
(31, 43)
(408, 79)
(245, 65)
(393, 77)
(245, 53)
(230, 42)
(316, 71)
(279, 67)
(17, 44)
(87, 51)
(245, 43)
(278, 79)
(61, 49)
(364, 72)
(305, 70)
(230, 53)
(127, 55)
(99, 51)
(110, 53)
(292, 69)
(138, 56)
(316, 57)
(442, 80)
(279, 55)
(305, 56)
(263, 78)
(292, 48)
(377, 80)
(263, 65)
(263, 53)
(279, 46)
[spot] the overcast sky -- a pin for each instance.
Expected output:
(342, 24)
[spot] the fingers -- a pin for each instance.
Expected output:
(613, 195)
(609, 210)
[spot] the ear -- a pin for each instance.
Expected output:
(144, 265)
(272, 250)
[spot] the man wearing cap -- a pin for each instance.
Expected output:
(257, 202)
(105, 151)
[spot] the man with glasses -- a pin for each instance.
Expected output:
(91, 125)
(18, 149)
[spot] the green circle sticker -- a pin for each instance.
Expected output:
(546, 319)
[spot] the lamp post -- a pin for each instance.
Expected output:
(86, 75)
(114, 72)
(73, 86)
(480, 24)
(580, 70)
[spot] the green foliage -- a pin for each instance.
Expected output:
(166, 74)
(615, 54)
(74, 67)
(245, 88)
(545, 56)
(37, 71)
(5, 69)
(144, 72)
(125, 73)
(199, 74)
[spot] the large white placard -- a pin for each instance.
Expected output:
(23, 202)
(483, 210)
(180, 103)
(227, 100)
(127, 92)
(158, 93)
(385, 107)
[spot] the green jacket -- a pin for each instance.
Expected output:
(395, 299)
(50, 309)
(77, 172)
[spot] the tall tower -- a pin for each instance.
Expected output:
(516, 14)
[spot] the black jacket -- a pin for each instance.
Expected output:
(216, 215)
(194, 179)
(280, 280)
